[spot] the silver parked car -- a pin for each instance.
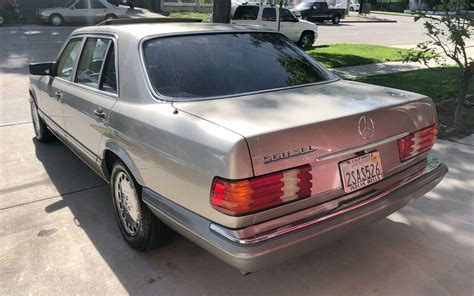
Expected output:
(233, 137)
(88, 11)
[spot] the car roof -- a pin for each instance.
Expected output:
(140, 31)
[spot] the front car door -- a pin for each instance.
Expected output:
(57, 86)
(94, 92)
(81, 12)
(289, 25)
(269, 17)
(98, 10)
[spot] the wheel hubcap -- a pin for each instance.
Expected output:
(35, 117)
(127, 202)
(56, 20)
(1, 20)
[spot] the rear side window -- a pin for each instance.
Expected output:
(108, 81)
(246, 13)
(202, 66)
(92, 58)
(68, 59)
(269, 15)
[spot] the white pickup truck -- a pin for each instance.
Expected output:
(302, 32)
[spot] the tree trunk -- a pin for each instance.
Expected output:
(465, 81)
(221, 11)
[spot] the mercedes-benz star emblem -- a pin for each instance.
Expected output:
(366, 127)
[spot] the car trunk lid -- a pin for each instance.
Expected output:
(297, 126)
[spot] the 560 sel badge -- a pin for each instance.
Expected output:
(288, 154)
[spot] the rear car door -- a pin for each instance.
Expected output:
(81, 12)
(93, 94)
(246, 15)
(56, 86)
(269, 17)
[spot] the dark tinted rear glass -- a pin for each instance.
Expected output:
(202, 66)
(246, 13)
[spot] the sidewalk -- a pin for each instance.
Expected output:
(376, 69)
(391, 67)
(359, 18)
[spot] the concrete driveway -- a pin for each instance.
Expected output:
(58, 234)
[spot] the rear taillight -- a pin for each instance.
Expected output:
(254, 194)
(417, 142)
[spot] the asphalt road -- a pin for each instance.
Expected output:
(58, 234)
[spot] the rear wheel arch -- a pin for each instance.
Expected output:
(113, 153)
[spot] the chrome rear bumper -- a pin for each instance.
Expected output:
(250, 253)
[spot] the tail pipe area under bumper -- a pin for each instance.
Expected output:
(253, 253)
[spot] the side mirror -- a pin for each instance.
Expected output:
(43, 69)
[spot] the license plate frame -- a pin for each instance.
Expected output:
(361, 171)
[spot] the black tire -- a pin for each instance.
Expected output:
(351, 9)
(306, 40)
(42, 133)
(144, 231)
(56, 19)
(336, 19)
(110, 16)
(2, 20)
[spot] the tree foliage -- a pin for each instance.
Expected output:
(448, 29)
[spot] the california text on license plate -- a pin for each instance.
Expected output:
(361, 171)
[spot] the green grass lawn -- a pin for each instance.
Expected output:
(344, 55)
(196, 15)
(439, 84)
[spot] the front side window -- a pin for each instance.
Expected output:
(92, 58)
(286, 16)
(216, 65)
(68, 59)
(246, 13)
(269, 15)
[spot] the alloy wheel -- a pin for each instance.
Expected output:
(56, 20)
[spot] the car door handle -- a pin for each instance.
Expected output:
(58, 94)
(100, 113)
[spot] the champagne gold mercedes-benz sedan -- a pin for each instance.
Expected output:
(232, 136)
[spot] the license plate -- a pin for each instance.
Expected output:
(361, 171)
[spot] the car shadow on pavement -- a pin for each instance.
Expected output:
(417, 251)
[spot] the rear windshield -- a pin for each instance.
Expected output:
(203, 66)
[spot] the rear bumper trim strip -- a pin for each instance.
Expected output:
(431, 165)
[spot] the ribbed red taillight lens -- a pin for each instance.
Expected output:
(417, 142)
(254, 194)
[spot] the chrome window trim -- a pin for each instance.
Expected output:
(74, 68)
(115, 39)
(163, 98)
